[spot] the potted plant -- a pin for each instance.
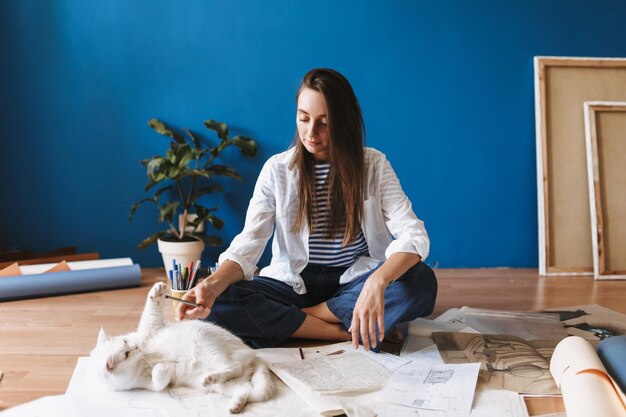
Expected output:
(185, 174)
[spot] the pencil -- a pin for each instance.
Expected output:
(301, 353)
(180, 300)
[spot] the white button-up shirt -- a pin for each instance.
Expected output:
(389, 223)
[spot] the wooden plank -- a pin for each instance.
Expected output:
(562, 85)
(605, 134)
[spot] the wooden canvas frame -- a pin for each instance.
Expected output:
(562, 85)
(605, 135)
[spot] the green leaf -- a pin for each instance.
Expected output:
(199, 153)
(167, 211)
(246, 145)
(155, 169)
(224, 171)
(145, 162)
(184, 155)
(195, 140)
(150, 239)
(205, 190)
(204, 215)
(161, 191)
(150, 185)
(220, 128)
(196, 173)
(135, 206)
(171, 154)
(202, 211)
(160, 127)
(215, 221)
(212, 240)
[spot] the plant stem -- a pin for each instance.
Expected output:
(184, 224)
(174, 231)
(183, 199)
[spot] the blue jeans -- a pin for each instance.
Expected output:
(265, 312)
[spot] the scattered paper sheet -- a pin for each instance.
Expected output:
(429, 355)
(67, 406)
(343, 372)
(354, 409)
(414, 344)
(447, 388)
(498, 403)
(393, 410)
(425, 327)
(327, 405)
(388, 360)
(527, 325)
(77, 265)
(495, 403)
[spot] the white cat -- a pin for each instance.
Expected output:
(189, 353)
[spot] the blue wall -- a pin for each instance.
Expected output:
(446, 89)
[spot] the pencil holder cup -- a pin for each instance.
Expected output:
(177, 294)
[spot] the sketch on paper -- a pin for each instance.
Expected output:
(445, 388)
(438, 377)
(506, 362)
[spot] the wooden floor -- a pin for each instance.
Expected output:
(41, 339)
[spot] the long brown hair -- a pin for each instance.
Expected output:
(347, 170)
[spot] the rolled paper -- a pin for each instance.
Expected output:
(612, 353)
(587, 388)
(57, 283)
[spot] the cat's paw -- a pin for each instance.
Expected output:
(215, 378)
(209, 380)
(160, 377)
(237, 404)
(157, 291)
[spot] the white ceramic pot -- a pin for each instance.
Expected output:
(183, 252)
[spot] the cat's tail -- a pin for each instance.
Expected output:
(261, 381)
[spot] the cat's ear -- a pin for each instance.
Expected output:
(102, 337)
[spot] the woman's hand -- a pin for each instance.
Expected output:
(369, 313)
(207, 291)
(369, 310)
(204, 294)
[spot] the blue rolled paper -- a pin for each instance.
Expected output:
(68, 282)
(612, 353)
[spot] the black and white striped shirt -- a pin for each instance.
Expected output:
(324, 251)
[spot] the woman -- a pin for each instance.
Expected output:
(347, 247)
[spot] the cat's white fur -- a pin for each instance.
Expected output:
(189, 353)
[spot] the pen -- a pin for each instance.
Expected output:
(301, 353)
(192, 279)
(180, 300)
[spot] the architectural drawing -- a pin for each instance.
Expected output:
(439, 376)
(506, 362)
